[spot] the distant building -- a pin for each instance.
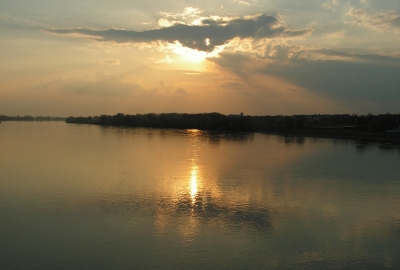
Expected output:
(236, 115)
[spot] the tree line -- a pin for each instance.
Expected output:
(205, 121)
(217, 121)
(30, 118)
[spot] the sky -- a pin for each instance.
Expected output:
(260, 57)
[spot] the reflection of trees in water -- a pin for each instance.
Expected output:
(214, 137)
(205, 209)
(338, 263)
(387, 147)
(294, 139)
(202, 208)
(362, 147)
(240, 137)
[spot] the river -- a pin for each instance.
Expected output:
(90, 197)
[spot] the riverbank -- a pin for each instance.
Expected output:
(360, 127)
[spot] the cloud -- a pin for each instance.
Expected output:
(9, 20)
(204, 37)
(357, 81)
(191, 11)
(187, 12)
(331, 4)
(337, 34)
(389, 21)
(106, 61)
(99, 84)
(166, 60)
(344, 76)
(351, 57)
(100, 88)
(180, 91)
(252, 84)
(241, 2)
(192, 73)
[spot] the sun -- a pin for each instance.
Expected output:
(190, 55)
(193, 56)
(187, 58)
(187, 54)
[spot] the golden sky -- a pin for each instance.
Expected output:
(257, 56)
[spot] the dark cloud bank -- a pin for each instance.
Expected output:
(370, 77)
(362, 77)
(218, 32)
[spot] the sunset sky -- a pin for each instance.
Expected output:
(260, 57)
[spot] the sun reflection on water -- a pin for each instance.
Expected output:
(193, 131)
(193, 184)
(194, 172)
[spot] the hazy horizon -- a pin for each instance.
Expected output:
(227, 114)
(87, 58)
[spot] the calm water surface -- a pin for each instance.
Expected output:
(89, 197)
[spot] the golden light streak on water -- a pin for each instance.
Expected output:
(194, 169)
(193, 184)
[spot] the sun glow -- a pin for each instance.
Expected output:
(190, 55)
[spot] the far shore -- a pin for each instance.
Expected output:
(383, 127)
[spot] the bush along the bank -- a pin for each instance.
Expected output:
(217, 121)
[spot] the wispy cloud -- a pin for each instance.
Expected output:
(188, 12)
(331, 4)
(387, 21)
(241, 2)
(106, 61)
(337, 34)
(166, 60)
(9, 20)
(180, 91)
(204, 37)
